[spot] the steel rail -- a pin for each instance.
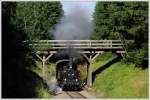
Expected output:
(75, 95)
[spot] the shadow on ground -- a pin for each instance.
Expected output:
(102, 68)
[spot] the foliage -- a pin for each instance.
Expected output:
(36, 19)
(18, 80)
(50, 70)
(125, 21)
(83, 72)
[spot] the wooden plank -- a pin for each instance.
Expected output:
(120, 51)
(77, 41)
(81, 47)
(77, 52)
(77, 44)
(52, 45)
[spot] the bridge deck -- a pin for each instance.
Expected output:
(86, 45)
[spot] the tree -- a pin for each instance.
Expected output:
(36, 19)
(125, 21)
(18, 80)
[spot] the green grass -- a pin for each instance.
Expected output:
(99, 61)
(42, 91)
(50, 71)
(83, 72)
(102, 59)
(122, 80)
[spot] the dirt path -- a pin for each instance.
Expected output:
(84, 94)
(74, 95)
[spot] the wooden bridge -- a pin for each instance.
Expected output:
(87, 46)
(90, 49)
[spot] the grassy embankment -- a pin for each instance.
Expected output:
(50, 70)
(49, 74)
(120, 80)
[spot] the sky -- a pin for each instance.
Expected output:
(88, 5)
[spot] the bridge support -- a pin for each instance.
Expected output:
(43, 67)
(89, 75)
(43, 59)
(89, 60)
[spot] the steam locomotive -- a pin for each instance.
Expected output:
(68, 76)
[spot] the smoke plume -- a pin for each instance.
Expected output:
(74, 26)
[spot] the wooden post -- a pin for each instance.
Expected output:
(89, 69)
(89, 79)
(111, 43)
(43, 67)
(43, 64)
(44, 59)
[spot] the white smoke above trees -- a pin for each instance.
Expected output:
(74, 26)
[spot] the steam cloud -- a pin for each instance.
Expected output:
(74, 26)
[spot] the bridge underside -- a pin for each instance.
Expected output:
(88, 50)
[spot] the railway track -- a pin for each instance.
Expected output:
(75, 95)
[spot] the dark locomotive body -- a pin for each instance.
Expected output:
(68, 76)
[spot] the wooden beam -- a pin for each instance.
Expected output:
(50, 55)
(43, 59)
(120, 51)
(81, 52)
(51, 41)
(43, 67)
(86, 58)
(89, 79)
(78, 44)
(93, 58)
(89, 69)
(122, 55)
(38, 56)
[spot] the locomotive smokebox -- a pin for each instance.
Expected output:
(67, 74)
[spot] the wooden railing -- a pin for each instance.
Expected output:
(77, 44)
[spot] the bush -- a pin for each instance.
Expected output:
(139, 57)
